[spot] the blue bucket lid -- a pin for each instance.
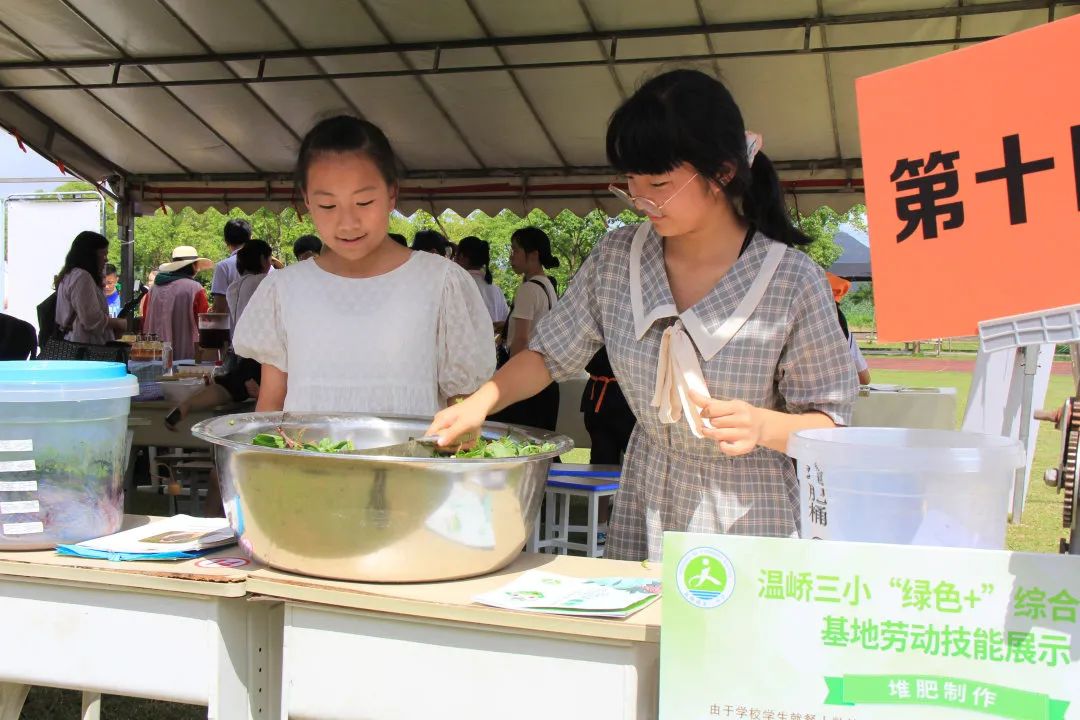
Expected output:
(64, 380)
(36, 371)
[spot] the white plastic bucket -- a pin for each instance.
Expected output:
(908, 487)
(63, 427)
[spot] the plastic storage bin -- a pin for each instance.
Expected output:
(908, 487)
(63, 427)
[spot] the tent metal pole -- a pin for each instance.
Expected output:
(600, 35)
(125, 231)
(422, 72)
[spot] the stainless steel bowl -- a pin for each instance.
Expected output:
(369, 517)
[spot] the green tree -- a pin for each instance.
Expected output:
(572, 237)
(857, 216)
(820, 226)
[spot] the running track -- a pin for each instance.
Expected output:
(929, 365)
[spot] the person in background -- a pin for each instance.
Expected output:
(608, 419)
(840, 287)
(112, 293)
(474, 255)
(237, 232)
(399, 239)
(306, 246)
(241, 381)
(253, 264)
(150, 276)
(431, 241)
(174, 304)
(367, 326)
(530, 255)
(82, 313)
(18, 339)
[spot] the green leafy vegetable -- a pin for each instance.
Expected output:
(503, 447)
(284, 442)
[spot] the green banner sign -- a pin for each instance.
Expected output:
(948, 692)
(896, 631)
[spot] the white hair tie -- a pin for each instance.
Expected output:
(754, 143)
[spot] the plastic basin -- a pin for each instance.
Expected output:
(62, 434)
(907, 487)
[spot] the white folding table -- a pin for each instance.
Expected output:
(182, 632)
(415, 651)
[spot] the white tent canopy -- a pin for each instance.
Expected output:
(490, 103)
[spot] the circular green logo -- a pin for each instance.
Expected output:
(705, 578)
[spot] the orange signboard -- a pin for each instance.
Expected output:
(971, 162)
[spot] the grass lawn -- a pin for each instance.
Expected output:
(1039, 532)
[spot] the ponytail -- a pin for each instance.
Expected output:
(763, 204)
(484, 258)
(477, 254)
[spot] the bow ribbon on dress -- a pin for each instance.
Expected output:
(677, 373)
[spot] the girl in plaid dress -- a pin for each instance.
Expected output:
(722, 334)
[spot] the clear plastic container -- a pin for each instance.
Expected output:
(63, 427)
(907, 487)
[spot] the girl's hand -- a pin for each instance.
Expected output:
(460, 423)
(736, 426)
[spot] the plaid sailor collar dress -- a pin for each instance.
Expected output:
(788, 354)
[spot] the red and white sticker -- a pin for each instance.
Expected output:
(16, 445)
(223, 562)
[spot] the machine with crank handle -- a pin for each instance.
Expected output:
(1063, 477)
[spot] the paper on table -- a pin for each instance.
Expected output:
(176, 538)
(538, 591)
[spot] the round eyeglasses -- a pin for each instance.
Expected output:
(646, 205)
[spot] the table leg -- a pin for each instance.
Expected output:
(564, 520)
(91, 706)
(248, 636)
(593, 529)
(549, 521)
(533, 544)
(12, 697)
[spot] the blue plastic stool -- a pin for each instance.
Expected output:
(593, 482)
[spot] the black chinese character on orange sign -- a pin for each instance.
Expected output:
(923, 206)
(1013, 172)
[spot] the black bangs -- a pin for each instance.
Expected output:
(346, 134)
(641, 139)
(686, 116)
